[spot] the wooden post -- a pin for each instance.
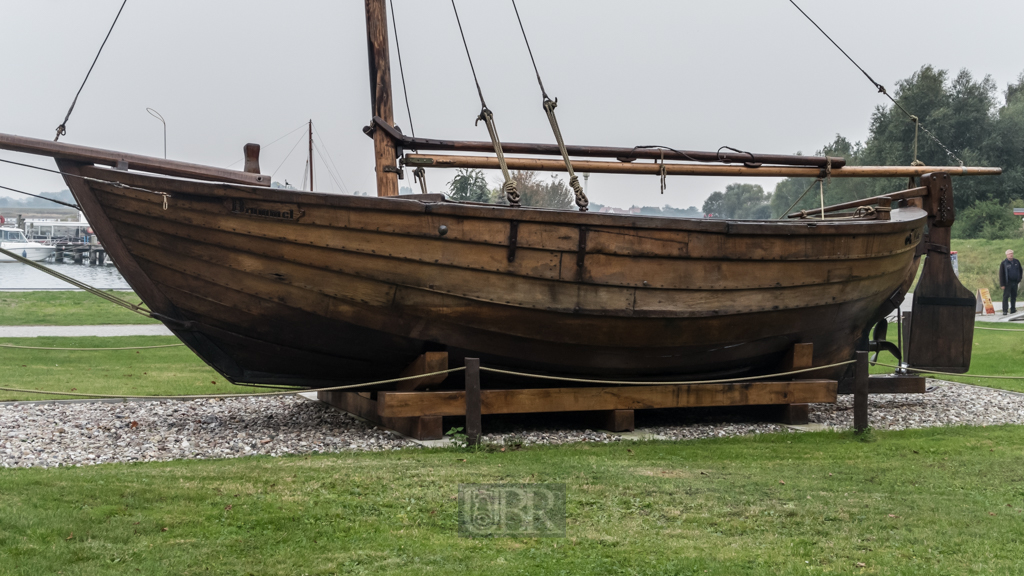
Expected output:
(860, 393)
(380, 95)
(310, 154)
(473, 408)
(251, 153)
(618, 420)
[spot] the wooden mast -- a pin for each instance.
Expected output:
(380, 96)
(310, 154)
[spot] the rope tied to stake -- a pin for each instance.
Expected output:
(510, 187)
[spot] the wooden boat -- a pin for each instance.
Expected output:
(300, 288)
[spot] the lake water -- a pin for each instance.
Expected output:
(15, 276)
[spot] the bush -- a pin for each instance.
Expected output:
(987, 220)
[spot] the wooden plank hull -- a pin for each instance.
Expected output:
(287, 287)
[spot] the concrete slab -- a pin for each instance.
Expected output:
(812, 427)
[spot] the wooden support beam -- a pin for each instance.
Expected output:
(860, 393)
(426, 363)
(800, 356)
(617, 420)
(654, 168)
(453, 403)
(473, 425)
(889, 384)
(793, 413)
(359, 404)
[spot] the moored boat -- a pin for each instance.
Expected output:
(14, 239)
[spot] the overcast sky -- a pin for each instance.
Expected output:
(750, 74)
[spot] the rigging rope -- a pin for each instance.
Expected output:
(92, 349)
(330, 158)
(62, 129)
(401, 70)
(659, 382)
(253, 394)
(419, 174)
(793, 205)
(882, 90)
(94, 291)
(90, 179)
(263, 147)
(549, 108)
(75, 206)
(947, 373)
(510, 187)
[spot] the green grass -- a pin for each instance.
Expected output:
(937, 501)
(60, 308)
(995, 353)
(978, 261)
(161, 371)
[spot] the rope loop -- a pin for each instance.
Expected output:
(510, 186)
(420, 175)
(662, 172)
(581, 197)
(511, 189)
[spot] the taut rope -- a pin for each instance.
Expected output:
(549, 108)
(62, 129)
(510, 187)
(882, 90)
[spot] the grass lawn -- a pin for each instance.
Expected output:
(160, 371)
(66, 309)
(978, 261)
(994, 353)
(938, 501)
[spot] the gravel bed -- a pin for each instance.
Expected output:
(94, 433)
(947, 404)
(73, 434)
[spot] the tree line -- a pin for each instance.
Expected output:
(964, 113)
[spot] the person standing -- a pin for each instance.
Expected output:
(1010, 275)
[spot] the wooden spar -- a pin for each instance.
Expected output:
(411, 143)
(902, 194)
(88, 155)
(542, 165)
(380, 94)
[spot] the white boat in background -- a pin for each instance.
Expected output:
(14, 239)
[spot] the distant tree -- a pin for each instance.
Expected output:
(469, 186)
(961, 111)
(535, 192)
(987, 219)
(739, 201)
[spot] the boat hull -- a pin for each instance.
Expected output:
(287, 287)
(32, 250)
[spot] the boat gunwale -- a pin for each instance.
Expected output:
(902, 218)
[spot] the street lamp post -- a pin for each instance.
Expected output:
(157, 115)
